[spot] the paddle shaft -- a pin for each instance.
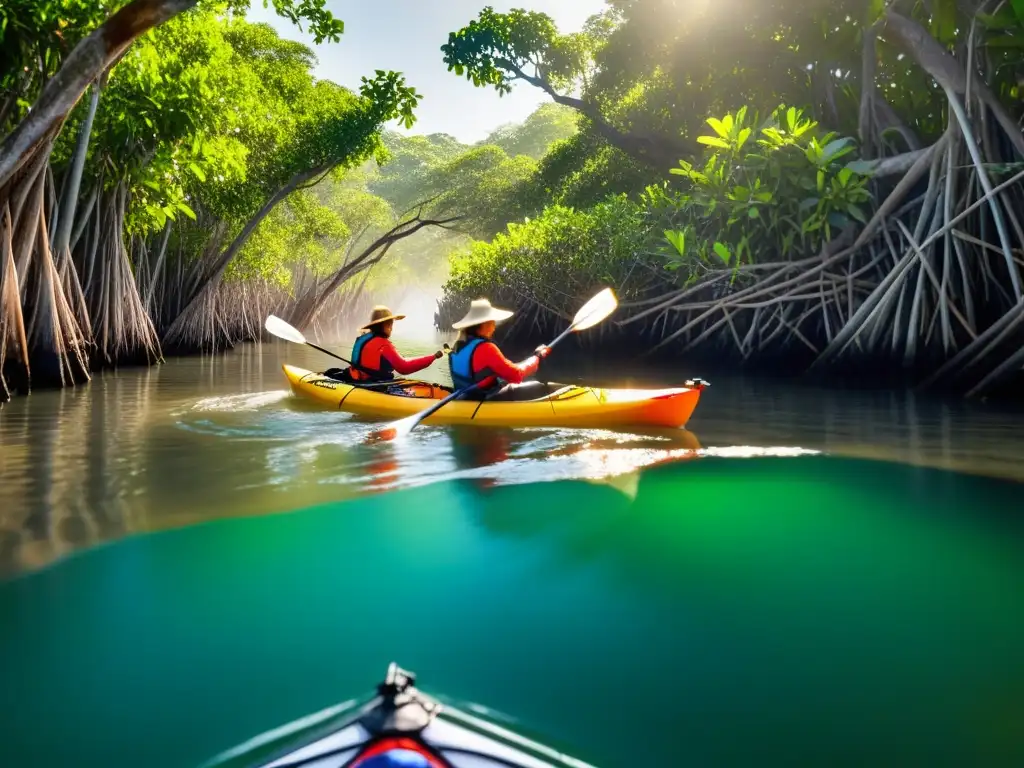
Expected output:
(283, 330)
(486, 382)
(367, 371)
(328, 352)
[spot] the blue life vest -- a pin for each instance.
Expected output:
(460, 363)
(383, 371)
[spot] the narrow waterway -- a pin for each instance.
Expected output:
(205, 438)
(801, 577)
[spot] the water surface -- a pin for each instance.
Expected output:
(658, 599)
(213, 437)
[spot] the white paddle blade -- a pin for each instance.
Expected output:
(595, 310)
(397, 430)
(282, 330)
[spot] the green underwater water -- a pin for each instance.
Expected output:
(798, 611)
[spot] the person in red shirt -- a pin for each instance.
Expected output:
(476, 359)
(374, 357)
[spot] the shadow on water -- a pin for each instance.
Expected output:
(819, 611)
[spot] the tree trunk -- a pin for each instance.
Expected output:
(73, 182)
(195, 325)
(86, 62)
(12, 323)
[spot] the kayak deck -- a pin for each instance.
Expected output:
(401, 726)
(570, 406)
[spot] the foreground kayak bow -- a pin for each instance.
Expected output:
(400, 728)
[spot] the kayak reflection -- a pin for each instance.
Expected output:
(497, 456)
(479, 448)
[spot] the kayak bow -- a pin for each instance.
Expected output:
(399, 728)
(570, 406)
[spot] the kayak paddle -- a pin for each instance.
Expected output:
(278, 327)
(590, 314)
(283, 330)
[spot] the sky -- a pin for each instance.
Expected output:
(406, 36)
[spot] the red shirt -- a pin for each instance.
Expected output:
(379, 347)
(488, 356)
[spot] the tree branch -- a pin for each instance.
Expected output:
(370, 255)
(86, 62)
(660, 152)
(946, 70)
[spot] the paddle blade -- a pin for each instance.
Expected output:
(278, 327)
(595, 310)
(396, 429)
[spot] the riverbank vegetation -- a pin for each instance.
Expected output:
(824, 186)
(171, 173)
(828, 186)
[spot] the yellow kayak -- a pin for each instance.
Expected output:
(570, 406)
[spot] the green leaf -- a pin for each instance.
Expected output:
(1005, 41)
(677, 239)
(1007, 17)
(184, 208)
(861, 167)
(944, 20)
(874, 12)
(1018, 8)
(837, 219)
(836, 149)
(712, 141)
(722, 252)
(719, 127)
(197, 171)
(753, 213)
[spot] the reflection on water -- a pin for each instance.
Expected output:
(212, 437)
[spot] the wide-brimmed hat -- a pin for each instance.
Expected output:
(481, 311)
(381, 314)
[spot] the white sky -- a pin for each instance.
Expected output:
(407, 35)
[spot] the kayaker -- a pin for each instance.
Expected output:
(476, 358)
(375, 358)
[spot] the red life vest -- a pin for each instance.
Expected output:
(366, 356)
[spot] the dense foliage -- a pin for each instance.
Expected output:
(167, 183)
(181, 190)
(761, 192)
(859, 221)
(207, 132)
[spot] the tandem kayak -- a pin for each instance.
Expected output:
(568, 406)
(399, 728)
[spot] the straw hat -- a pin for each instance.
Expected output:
(480, 311)
(381, 314)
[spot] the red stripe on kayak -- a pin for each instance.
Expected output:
(386, 745)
